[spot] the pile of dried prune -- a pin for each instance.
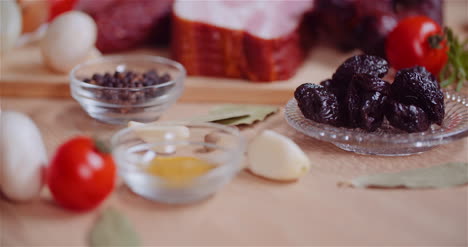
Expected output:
(357, 97)
(318, 103)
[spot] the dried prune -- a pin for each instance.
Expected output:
(340, 93)
(353, 106)
(360, 64)
(423, 71)
(409, 118)
(358, 97)
(365, 101)
(302, 90)
(327, 83)
(413, 87)
(336, 87)
(365, 109)
(371, 83)
(318, 104)
(373, 111)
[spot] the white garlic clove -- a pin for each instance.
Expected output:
(153, 133)
(276, 157)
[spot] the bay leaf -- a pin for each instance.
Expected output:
(255, 113)
(441, 176)
(218, 116)
(234, 114)
(113, 229)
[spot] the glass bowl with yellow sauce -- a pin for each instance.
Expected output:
(178, 162)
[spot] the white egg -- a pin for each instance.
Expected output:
(68, 41)
(22, 157)
(10, 24)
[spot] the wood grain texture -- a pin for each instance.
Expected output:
(24, 75)
(250, 210)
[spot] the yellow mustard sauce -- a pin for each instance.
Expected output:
(178, 170)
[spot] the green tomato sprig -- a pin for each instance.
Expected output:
(456, 69)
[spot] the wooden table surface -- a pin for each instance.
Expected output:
(251, 210)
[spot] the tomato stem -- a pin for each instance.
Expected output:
(435, 40)
(101, 146)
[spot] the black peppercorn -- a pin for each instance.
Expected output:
(128, 80)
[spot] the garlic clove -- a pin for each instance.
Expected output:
(276, 157)
(153, 134)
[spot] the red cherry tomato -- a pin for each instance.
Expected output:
(80, 176)
(58, 7)
(417, 40)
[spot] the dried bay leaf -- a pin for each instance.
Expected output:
(255, 113)
(234, 114)
(113, 229)
(441, 176)
(217, 116)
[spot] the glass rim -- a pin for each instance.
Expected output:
(343, 135)
(233, 153)
(181, 74)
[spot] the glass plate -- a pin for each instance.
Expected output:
(387, 140)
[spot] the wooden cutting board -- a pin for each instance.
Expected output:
(23, 74)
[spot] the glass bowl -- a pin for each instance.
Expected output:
(133, 155)
(120, 105)
(387, 140)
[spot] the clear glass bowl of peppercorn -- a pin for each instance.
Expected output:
(118, 89)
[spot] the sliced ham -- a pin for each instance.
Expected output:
(256, 40)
